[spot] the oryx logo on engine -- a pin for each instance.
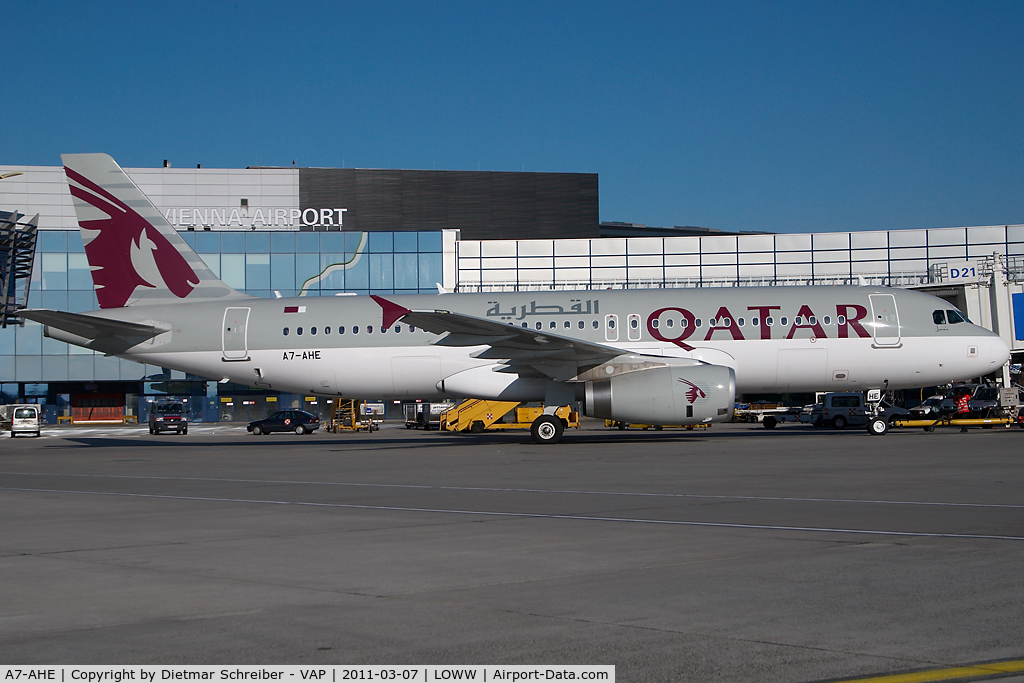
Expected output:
(695, 392)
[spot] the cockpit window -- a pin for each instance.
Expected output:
(939, 317)
(955, 317)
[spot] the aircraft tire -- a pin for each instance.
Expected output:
(546, 430)
(257, 430)
(878, 427)
(838, 422)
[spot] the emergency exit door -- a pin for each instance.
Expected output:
(234, 339)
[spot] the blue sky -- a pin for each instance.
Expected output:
(788, 117)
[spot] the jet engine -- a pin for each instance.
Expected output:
(672, 395)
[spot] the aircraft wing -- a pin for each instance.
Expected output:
(527, 351)
(89, 326)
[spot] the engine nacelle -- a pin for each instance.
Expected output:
(673, 395)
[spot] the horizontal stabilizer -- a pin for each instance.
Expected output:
(90, 326)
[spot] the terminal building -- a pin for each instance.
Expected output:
(325, 232)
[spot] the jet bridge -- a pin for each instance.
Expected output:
(17, 255)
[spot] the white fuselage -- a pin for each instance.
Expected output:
(306, 351)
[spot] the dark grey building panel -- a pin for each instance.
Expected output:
(483, 205)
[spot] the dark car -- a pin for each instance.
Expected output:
(891, 412)
(298, 421)
(168, 416)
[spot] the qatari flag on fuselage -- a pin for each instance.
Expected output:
(294, 309)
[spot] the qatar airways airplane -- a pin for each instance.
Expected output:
(663, 356)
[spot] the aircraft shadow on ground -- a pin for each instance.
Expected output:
(451, 439)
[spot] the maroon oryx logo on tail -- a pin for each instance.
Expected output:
(694, 393)
(110, 252)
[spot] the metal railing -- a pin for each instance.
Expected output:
(904, 279)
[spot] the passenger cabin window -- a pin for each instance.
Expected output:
(355, 329)
(939, 317)
(341, 329)
(298, 331)
(286, 331)
(827, 320)
(312, 330)
(580, 324)
(327, 330)
(955, 317)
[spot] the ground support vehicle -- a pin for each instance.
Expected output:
(25, 419)
(879, 425)
(424, 415)
(476, 416)
(623, 426)
(768, 414)
(995, 406)
(298, 421)
(168, 416)
(351, 415)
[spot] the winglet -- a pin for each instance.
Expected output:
(392, 311)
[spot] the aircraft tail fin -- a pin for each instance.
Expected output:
(136, 257)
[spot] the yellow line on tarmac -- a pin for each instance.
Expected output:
(993, 669)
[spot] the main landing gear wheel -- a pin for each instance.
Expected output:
(546, 429)
(878, 427)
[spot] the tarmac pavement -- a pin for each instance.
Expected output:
(739, 554)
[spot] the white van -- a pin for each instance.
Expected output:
(25, 419)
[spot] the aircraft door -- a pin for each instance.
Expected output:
(885, 321)
(234, 337)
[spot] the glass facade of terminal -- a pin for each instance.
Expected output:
(259, 263)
